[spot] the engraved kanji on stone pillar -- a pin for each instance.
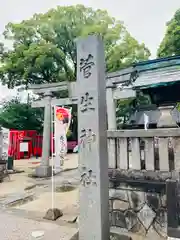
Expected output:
(92, 130)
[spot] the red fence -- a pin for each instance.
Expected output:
(37, 148)
(33, 143)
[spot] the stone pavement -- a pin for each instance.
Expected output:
(16, 228)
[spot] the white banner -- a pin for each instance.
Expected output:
(5, 143)
(146, 121)
(62, 119)
(24, 147)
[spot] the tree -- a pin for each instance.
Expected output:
(21, 116)
(170, 44)
(44, 47)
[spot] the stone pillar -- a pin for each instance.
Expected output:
(111, 109)
(172, 200)
(92, 133)
(111, 116)
(45, 170)
(166, 120)
(1, 142)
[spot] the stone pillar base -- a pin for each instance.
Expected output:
(43, 171)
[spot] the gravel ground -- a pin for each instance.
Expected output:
(16, 228)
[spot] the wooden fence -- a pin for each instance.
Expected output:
(154, 149)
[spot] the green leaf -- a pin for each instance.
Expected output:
(21, 116)
(170, 44)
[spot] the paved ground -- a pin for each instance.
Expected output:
(23, 217)
(19, 220)
(16, 228)
(66, 201)
(71, 161)
(18, 182)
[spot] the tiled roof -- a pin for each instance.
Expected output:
(162, 76)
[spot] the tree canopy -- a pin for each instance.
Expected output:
(44, 46)
(170, 44)
(21, 116)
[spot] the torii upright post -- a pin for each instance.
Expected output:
(92, 131)
(44, 170)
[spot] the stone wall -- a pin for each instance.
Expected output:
(139, 208)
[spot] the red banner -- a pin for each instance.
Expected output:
(62, 114)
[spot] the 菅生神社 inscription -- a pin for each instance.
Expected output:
(86, 65)
(87, 138)
(88, 178)
(86, 103)
(93, 157)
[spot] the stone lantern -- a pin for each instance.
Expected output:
(166, 119)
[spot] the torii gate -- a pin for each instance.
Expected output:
(112, 93)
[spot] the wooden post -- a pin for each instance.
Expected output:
(92, 129)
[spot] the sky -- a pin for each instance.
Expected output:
(145, 20)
